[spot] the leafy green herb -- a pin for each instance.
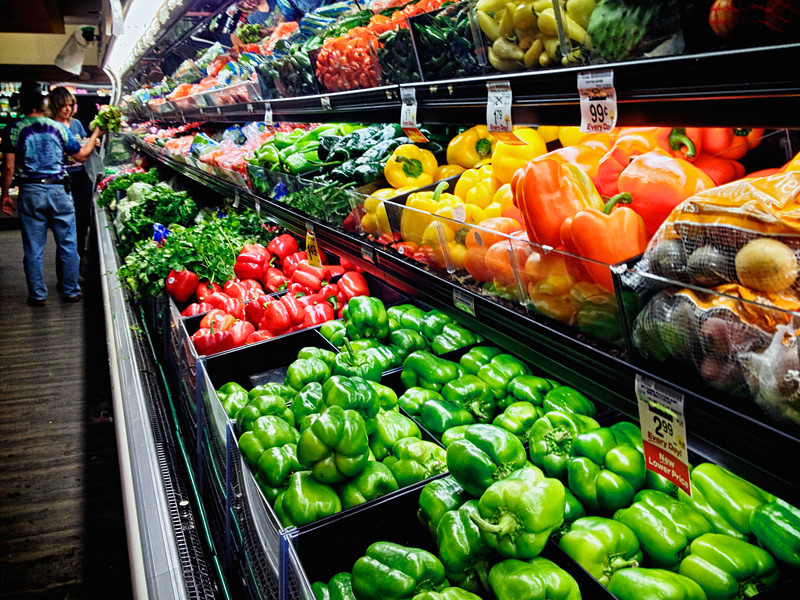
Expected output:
(122, 183)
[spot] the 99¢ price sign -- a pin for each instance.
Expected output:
(663, 432)
(598, 101)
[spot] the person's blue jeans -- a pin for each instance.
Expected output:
(41, 206)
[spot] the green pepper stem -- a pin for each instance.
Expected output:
(484, 147)
(505, 524)
(623, 198)
(750, 588)
(443, 185)
(617, 562)
(411, 166)
(741, 132)
(678, 139)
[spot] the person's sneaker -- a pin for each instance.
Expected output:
(35, 302)
(75, 298)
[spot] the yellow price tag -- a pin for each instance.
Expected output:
(312, 250)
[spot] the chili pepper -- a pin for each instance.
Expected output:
(529, 388)
(518, 514)
(267, 404)
(727, 501)
(350, 363)
(440, 415)
(664, 526)
(413, 460)
(289, 264)
(334, 332)
(473, 395)
(551, 437)
(240, 331)
(233, 398)
(601, 546)
(471, 147)
(318, 314)
(252, 262)
(630, 584)
(499, 373)
(206, 288)
(463, 552)
(659, 182)
(537, 579)
(283, 246)
(568, 400)
(389, 570)
(391, 427)
(423, 369)
(410, 165)
(181, 285)
(438, 497)
(604, 471)
(414, 397)
(305, 370)
(353, 393)
(209, 341)
(305, 501)
(196, 308)
(729, 568)
(518, 418)
(267, 432)
(605, 237)
(335, 446)
(776, 526)
(453, 337)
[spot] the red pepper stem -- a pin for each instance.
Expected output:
(623, 198)
(678, 139)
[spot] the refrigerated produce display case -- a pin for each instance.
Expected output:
(536, 295)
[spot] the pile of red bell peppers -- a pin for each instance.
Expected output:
(241, 311)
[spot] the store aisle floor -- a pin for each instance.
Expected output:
(62, 532)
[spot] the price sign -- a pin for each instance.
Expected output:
(268, 115)
(598, 101)
(498, 112)
(368, 253)
(258, 207)
(236, 199)
(249, 108)
(464, 302)
(663, 432)
(408, 115)
(326, 102)
(312, 250)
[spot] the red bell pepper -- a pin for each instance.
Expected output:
(210, 341)
(196, 308)
(252, 284)
(353, 284)
(234, 289)
(294, 308)
(298, 289)
(283, 246)
(275, 280)
(310, 299)
(235, 307)
(318, 314)
(206, 288)
(310, 280)
(331, 271)
(282, 315)
(332, 293)
(221, 320)
(289, 264)
(258, 336)
(721, 170)
(181, 284)
(216, 299)
(349, 266)
(252, 262)
(254, 310)
(240, 331)
(252, 295)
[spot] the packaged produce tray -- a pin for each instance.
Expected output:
(237, 93)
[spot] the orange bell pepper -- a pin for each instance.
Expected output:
(635, 141)
(546, 193)
(721, 170)
(478, 243)
(726, 142)
(498, 260)
(586, 155)
(658, 183)
(608, 237)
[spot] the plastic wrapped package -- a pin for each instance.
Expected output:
(445, 41)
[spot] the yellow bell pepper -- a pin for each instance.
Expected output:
(375, 221)
(507, 159)
(456, 250)
(410, 165)
(549, 133)
(477, 186)
(471, 147)
(495, 209)
(445, 171)
(423, 204)
(460, 214)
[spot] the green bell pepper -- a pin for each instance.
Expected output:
(334, 332)
(338, 588)
(391, 571)
(396, 311)
(412, 318)
(407, 341)
(307, 405)
(390, 427)
(518, 418)
(451, 593)
(320, 591)
(637, 583)
(518, 514)
(306, 370)
(233, 398)
(414, 460)
(462, 550)
(387, 398)
(274, 467)
(550, 440)
(478, 357)
(362, 345)
(453, 337)
(529, 388)
(423, 369)
(567, 399)
(729, 568)
(726, 500)
(601, 546)
(500, 371)
(335, 446)
(352, 393)
(472, 394)
(365, 317)
(267, 432)
(413, 398)
(438, 497)
(486, 454)
(572, 511)
(305, 500)
(652, 481)
(261, 406)
(440, 415)
(273, 388)
(325, 356)
(664, 526)
(374, 481)
(537, 579)
(433, 323)
(604, 471)
(453, 434)
(349, 363)
(776, 526)
(394, 325)
(387, 356)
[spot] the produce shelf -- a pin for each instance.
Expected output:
(733, 88)
(744, 441)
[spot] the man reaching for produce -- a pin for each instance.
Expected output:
(44, 191)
